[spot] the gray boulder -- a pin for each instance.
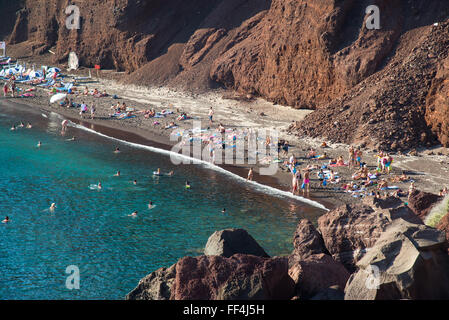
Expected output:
(228, 242)
(408, 261)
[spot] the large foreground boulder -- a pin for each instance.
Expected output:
(155, 286)
(393, 208)
(409, 261)
(240, 277)
(316, 274)
(231, 241)
(421, 203)
(307, 240)
(349, 230)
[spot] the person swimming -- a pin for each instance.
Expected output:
(39, 144)
(224, 210)
(13, 127)
(21, 125)
(53, 207)
(151, 205)
(158, 171)
(99, 185)
(171, 173)
(71, 139)
(135, 182)
(187, 185)
(117, 174)
(117, 150)
(134, 214)
(6, 220)
(29, 126)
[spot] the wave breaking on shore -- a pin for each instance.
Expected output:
(256, 186)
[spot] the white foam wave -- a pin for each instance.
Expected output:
(257, 186)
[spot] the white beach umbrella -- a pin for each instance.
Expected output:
(54, 70)
(57, 97)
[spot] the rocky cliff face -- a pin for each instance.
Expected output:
(383, 88)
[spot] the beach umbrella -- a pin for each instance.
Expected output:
(57, 97)
(54, 70)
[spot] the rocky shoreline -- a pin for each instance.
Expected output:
(376, 250)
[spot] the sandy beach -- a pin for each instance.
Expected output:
(426, 167)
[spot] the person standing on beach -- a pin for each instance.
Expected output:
(306, 182)
(351, 157)
(92, 111)
(13, 88)
(211, 115)
(294, 184)
(250, 175)
(83, 110)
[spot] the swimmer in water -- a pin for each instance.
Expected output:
(99, 185)
(187, 185)
(224, 210)
(39, 144)
(135, 182)
(21, 125)
(71, 139)
(134, 214)
(29, 126)
(6, 220)
(158, 172)
(53, 207)
(150, 205)
(117, 150)
(171, 173)
(13, 127)
(117, 174)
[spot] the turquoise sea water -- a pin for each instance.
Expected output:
(91, 228)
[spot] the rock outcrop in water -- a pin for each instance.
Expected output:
(228, 242)
(240, 277)
(329, 263)
(381, 88)
(155, 286)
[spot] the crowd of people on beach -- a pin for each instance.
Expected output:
(363, 182)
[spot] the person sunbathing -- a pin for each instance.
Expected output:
(445, 191)
(221, 129)
(171, 125)
(311, 154)
(323, 156)
(382, 184)
(86, 91)
(340, 161)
